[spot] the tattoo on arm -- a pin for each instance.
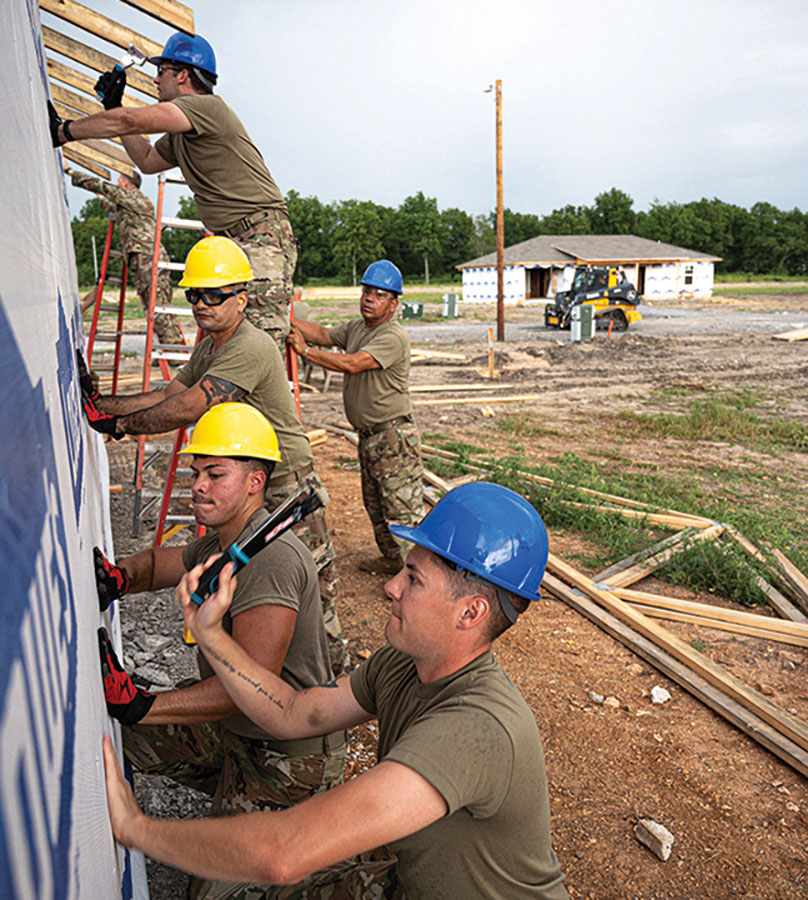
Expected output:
(217, 390)
(259, 688)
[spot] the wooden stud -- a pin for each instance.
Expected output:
(707, 611)
(795, 579)
(778, 718)
(76, 156)
(100, 25)
(424, 388)
(173, 13)
(798, 334)
(102, 158)
(517, 398)
(720, 624)
(83, 82)
(711, 696)
(780, 604)
(418, 355)
(94, 59)
(436, 481)
(641, 555)
(646, 567)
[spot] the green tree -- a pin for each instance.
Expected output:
(357, 235)
(313, 224)
(485, 237)
(613, 213)
(518, 227)
(419, 219)
(457, 239)
(568, 219)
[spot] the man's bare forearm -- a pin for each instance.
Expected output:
(124, 405)
(314, 333)
(205, 701)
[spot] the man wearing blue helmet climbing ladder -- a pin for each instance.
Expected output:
(375, 369)
(457, 805)
(235, 194)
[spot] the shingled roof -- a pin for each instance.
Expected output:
(584, 249)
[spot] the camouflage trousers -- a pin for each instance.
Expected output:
(166, 326)
(272, 250)
(313, 531)
(392, 489)
(370, 876)
(241, 774)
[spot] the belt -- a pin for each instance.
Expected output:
(383, 426)
(292, 476)
(327, 743)
(248, 222)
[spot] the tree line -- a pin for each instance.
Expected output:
(337, 240)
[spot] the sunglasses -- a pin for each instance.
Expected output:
(208, 297)
(376, 292)
(166, 68)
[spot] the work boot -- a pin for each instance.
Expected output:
(381, 565)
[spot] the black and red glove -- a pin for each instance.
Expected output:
(112, 581)
(125, 702)
(97, 419)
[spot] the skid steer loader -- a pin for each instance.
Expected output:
(605, 288)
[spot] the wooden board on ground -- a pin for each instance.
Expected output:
(677, 671)
(797, 334)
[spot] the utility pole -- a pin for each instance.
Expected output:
(500, 224)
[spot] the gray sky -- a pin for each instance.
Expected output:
(377, 100)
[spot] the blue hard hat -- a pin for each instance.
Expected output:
(491, 532)
(193, 51)
(384, 275)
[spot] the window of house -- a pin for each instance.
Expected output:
(688, 274)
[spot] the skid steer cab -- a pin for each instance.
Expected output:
(606, 289)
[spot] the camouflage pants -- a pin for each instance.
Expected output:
(370, 876)
(166, 326)
(313, 531)
(272, 250)
(241, 774)
(392, 490)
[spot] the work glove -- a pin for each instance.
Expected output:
(86, 383)
(111, 580)
(125, 702)
(109, 87)
(55, 120)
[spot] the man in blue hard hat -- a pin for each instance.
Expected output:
(457, 805)
(234, 192)
(375, 368)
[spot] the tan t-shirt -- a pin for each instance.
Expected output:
(375, 395)
(282, 574)
(250, 359)
(223, 168)
(474, 739)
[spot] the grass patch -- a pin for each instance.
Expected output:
(521, 424)
(725, 417)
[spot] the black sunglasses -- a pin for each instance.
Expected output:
(207, 296)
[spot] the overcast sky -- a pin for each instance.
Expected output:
(377, 100)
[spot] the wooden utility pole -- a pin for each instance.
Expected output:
(500, 224)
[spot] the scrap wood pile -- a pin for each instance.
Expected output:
(629, 615)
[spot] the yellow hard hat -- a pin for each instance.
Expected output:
(234, 429)
(215, 262)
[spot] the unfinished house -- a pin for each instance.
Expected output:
(537, 268)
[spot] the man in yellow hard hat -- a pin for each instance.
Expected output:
(195, 734)
(235, 361)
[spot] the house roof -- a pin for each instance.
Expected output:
(569, 249)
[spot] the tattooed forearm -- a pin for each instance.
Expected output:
(259, 688)
(217, 390)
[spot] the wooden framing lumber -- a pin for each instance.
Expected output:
(711, 696)
(428, 388)
(735, 627)
(708, 611)
(448, 401)
(797, 334)
(104, 159)
(76, 156)
(779, 719)
(669, 521)
(419, 355)
(83, 82)
(794, 578)
(107, 149)
(436, 481)
(75, 101)
(173, 13)
(100, 25)
(640, 555)
(645, 567)
(94, 59)
(782, 605)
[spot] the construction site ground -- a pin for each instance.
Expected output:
(738, 814)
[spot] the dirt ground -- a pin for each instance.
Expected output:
(739, 815)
